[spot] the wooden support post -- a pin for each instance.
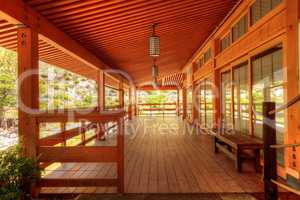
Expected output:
(63, 131)
(178, 103)
(82, 132)
(120, 165)
(130, 113)
(101, 90)
(101, 103)
(270, 164)
(28, 57)
(194, 96)
(184, 96)
(121, 94)
(216, 100)
(291, 64)
(135, 103)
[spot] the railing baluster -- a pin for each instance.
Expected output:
(270, 164)
(83, 130)
(63, 130)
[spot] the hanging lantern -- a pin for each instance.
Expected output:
(154, 43)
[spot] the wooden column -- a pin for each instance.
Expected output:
(270, 160)
(194, 86)
(184, 114)
(216, 86)
(135, 102)
(101, 103)
(120, 165)
(130, 112)
(121, 94)
(178, 103)
(28, 57)
(101, 90)
(291, 59)
(216, 99)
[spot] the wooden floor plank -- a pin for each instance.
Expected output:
(161, 158)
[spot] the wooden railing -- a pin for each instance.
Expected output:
(48, 153)
(157, 109)
(269, 135)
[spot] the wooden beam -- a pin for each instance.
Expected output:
(17, 12)
(28, 89)
(78, 154)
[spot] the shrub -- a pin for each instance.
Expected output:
(17, 173)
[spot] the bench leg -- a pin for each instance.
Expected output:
(216, 148)
(257, 166)
(238, 161)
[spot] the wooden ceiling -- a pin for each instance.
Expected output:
(47, 52)
(117, 30)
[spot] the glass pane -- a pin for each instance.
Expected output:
(265, 7)
(226, 100)
(241, 100)
(255, 12)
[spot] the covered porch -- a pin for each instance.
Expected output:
(162, 157)
(229, 65)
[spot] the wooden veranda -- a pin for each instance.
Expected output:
(223, 59)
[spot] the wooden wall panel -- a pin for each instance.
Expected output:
(204, 70)
(253, 39)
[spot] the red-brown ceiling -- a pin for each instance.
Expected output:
(117, 30)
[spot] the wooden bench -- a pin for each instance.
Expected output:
(240, 148)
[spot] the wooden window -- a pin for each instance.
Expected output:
(240, 28)
(225, 42)
(241, 98)
(226, 100)
(262, 7)
(208, 103)
(207, 55)
(200, 62)
(205, 99)
(268, 85)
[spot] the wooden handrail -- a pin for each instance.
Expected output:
(287, 105)
(286, 187)
(156, 104)
(283, 146)
(58, 137)
(66, 116)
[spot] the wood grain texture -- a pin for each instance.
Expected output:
(164, 161)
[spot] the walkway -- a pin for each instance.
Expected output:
(160, 158)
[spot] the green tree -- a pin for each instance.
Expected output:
(8, 80)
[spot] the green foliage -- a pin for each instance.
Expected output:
(16, 173)
(63, 89)
(8, 82)
(157, 97)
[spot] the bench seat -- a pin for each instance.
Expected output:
(239, 147)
